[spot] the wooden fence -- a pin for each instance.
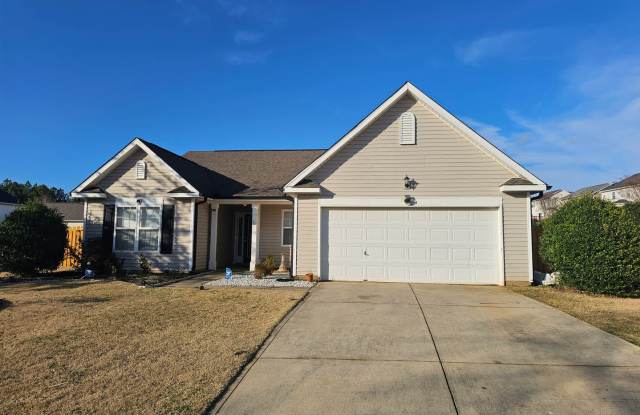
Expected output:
(74, 243)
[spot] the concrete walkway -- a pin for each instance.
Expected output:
(373, 348)
(197, 280)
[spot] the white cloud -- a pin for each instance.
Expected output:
(247, 36)
(491, 46)
(596, 141)
(246, 57)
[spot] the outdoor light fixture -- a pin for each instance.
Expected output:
(409, 200)
(409, 184)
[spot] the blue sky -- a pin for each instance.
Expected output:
(555, 86)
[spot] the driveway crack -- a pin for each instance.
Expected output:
(435, 346)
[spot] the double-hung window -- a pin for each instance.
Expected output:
(287, 227)
(137, 228)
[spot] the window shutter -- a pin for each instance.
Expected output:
(408, 128)
(107, 228)
(166, 236)
(141, 170)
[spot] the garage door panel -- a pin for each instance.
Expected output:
(417, 245)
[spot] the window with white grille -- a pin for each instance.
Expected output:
(408, 128)
(141, 170)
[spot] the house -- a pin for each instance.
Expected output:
(72, 212)
(8, 204)
(548, 203)
(623, 191)
(409, 194)
(589, 190)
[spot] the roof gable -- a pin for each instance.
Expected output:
(633, 180)
(409, 89)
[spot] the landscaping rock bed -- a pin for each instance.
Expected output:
(247, 280)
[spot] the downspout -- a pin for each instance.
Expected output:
(195, 233)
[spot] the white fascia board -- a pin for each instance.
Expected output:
(88, 195)
(421, 202)
(182, 195)
(476, 138)
(119, 157)
(302, 190)
(524, 188)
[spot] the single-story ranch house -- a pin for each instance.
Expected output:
(409, 194)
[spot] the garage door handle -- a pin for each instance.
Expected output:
(365, 252)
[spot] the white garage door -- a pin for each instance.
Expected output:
(455, 246)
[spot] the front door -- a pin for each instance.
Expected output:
(242, 238)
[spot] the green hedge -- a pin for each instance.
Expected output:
(595, 246)
(32, 239)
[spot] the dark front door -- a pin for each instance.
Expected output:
(242, 238)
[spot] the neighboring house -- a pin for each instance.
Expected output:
(624, 191)
(72, 212)
(589, 190)
(548, 203)
(8, 204)
(409, 194)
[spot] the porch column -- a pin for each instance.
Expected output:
(255, 236)
(213, 237)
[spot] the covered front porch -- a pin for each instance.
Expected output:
(244, 232)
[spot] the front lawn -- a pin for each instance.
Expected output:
(618, 316)
(111, 347)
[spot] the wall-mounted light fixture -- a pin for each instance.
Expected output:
(410, 184)
(409, 200)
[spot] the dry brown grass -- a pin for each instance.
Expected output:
(618, 316)
(110, 347)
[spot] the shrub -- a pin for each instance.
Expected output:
(595, 246)
(143, 263)
(633, 210)
(259, 271)
(33, 238)
(269, 264)
(96, 257)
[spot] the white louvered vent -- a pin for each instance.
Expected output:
(408, 128)
(141, 170)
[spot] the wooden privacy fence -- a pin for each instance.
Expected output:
(74, 244)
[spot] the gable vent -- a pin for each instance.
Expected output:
(141, 170)
(408, 128)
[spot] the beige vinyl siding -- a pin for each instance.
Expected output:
(202, 236)
(443, 161)
(516, 238)
(307, 239)
(95, 214)
(122, 182)
(271, 233)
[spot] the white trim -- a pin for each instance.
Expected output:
(282, 228)
(524, 188)
(421, 202)
(213, 237)
(138, 228)
(290, 189)
(84, 222)
(251, 201)
(88, 195)
(439, 111)
(119, 158)
(181, 195)
(529, 238)
(255, 235)
(319, 242)
(294, 251)
(502, 277)
(193, 232)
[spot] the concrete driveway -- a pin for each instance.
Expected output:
(372, 348)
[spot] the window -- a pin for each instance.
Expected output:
(137, 228)
(408, 128)
(287, 227)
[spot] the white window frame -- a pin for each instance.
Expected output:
(282, 228)
(137, 228)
